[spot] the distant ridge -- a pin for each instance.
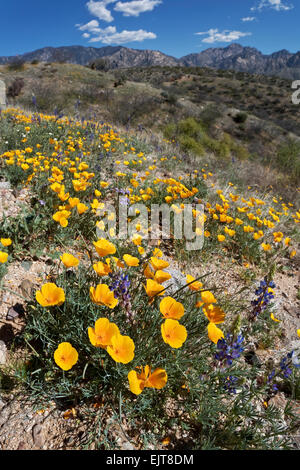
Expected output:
(234, 57)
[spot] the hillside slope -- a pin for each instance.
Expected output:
(233, 57)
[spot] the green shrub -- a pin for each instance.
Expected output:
(240, 118)
(288, 160)
(188, 144)
(191, 128)
(16, 66)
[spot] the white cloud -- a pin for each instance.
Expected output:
(91, 27)
(213, 35)
(134, 8)
(248, 18)
(99, 10)
(110, 35)
(278, 5)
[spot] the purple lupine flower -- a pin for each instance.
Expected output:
(229, 349)
(229, 384)
(283, 369)
(284, 365)
(264, 297)
(120, 285)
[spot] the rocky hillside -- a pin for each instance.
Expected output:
(247, 59)
(233, 57)
(118, 57)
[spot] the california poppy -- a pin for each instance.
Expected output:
(173, 333)
(65, 356)
(50, 295)
(102, 295)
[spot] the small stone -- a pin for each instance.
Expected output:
(128, 446)
(26, 287)
(26, 265)
(3, 352)
(177, 280)
(279, 401)
(14, 312)
(21, 446)
(37, 435)
(2, 95)
(4, 185)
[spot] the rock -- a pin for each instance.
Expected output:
(4, 184)
(3, 352)
(21, 446)
(2, 95)
(279, 401)
(15, 311)
(26, 286)
(177, 280)
(37, 435)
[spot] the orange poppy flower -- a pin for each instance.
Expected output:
(214, 314)
(81, 208)
(104, 247)
(65, 356)
(158, 264)
(148, 271)
(3, 257)
(162, 276)
(214, 333)
(69, 260)
(6, 241)
(121, 349)
(173, 333)
(101, 335)
(207, 298)
(153, 288)
(50, 295)
(102, 295)
(101, 269)
(137, 382)
(196, 285)
(131, 260)
(170, 308)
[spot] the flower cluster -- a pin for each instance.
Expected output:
(120, 284)
(229, 349)
(6, 242)
(229, 384)
(265, 294)
(284, 369)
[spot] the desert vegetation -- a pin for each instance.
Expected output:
(140, 341)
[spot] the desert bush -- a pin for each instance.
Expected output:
(210, 115)
(240, 118)
(127, 109)
(102, 65)
(189, 144)
(16, 65)
(15, 88)
(169, 98)
(191, 128)
(288, 160)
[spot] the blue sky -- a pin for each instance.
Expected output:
(175, 27)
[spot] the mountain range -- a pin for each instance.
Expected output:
(234, 57)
